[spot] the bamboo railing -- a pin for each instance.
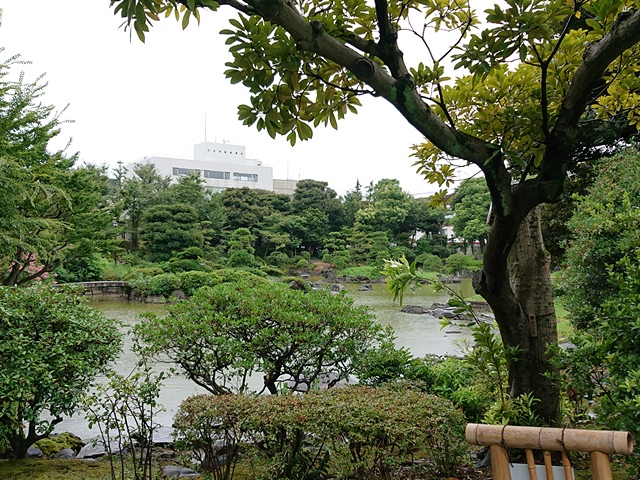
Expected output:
(599, 443)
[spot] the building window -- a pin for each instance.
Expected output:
(216, 174)
(184, 171)
(245, 177)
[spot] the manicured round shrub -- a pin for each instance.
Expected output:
(277, 259)
(353, 432)
(143, 272)
(429, 262)
(193, 280)
(164, 284)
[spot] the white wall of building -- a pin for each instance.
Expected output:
(220, 165)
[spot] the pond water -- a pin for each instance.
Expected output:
(421, 334)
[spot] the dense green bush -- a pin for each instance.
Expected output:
(306, 255)
(255, 271)
(361, 273)
(52, 345)
(148, 282)
(164, 284)
(223, 333)
(448, 377)
(143, 272)
(604, 366)
(456, 262)
(378, 430)
(340, 259)
(429, 262)
(272, 271)
(86, 268)
(354, 432)
(177, 265)
(277, 259)
(604, 229)
(208, 426)
(193, 280)
(451, 378)
(241, 258)
(190, 253)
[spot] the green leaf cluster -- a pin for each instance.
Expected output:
(291, 91)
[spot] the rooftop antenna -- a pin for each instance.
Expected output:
(205, 127)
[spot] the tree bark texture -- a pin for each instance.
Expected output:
(529, 278)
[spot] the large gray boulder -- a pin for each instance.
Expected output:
(33, 452)
(417, 309)
(65, 453)
(95, 449)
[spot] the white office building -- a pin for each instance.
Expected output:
(221, 166)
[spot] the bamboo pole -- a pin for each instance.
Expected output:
(531, 464)
(566, 464)
(548, 466)
(600, 466)
(500, 463)
(556, 439)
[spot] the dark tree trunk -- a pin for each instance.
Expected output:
(20, 443)
(522, 302)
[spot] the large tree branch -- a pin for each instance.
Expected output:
(400, 92)
(388, 44)
(597, 57)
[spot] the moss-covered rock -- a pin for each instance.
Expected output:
(54, 443)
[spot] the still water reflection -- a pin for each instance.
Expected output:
(421, 334)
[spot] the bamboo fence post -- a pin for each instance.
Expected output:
(567, 466)
(531, 464)
(600, 466)
(548, 466)
(500, 463)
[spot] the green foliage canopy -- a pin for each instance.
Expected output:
(169, 229)
(222, 334)
(52, 211)
(52, 344)
(604, 230)
(471, 203)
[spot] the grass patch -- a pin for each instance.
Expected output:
(565, 328)
(40, 469)
(43, 469)
(62, 469)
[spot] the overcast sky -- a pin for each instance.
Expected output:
(129, 100)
